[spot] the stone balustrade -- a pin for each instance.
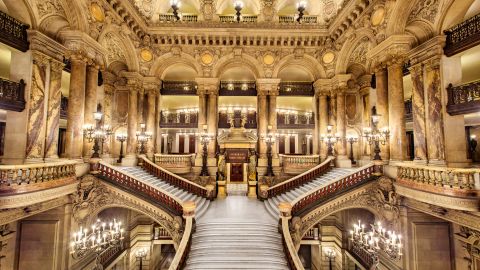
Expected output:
(183, 249)
(16, 179)
(179, 164)
(295, 164)
(453, 181)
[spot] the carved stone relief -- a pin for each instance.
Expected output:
(424, 9)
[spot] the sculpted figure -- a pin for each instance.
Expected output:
(252, 167)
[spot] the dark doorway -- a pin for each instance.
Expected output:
(281, 145)
(292, 145)
(410, 146)
(62, 136)
(191, 144)
(236, 174)
(181, 144)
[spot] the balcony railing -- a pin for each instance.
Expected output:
(63, 107)
(238, 88)
(13, 32)
(12, 95)
(298, 163)
(408, 110)
(251, 120)
(296, 89)
(463, 36)
(179, 164)
(295, 121)
(184, 18)
(179, 88)
(233, 19)
(187, 119)
(307, 19)
(464, 98)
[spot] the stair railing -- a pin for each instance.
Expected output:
(178, 181)
(298, 180)
(153, 194)
(183, 250)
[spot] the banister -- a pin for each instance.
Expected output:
(184, 247)
(322, 193)
(300, 179)
(129, 182)
(174, 179)
(292, 256)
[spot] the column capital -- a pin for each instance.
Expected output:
(207, 85)
(44, 44)
(40, 58)
(109, 78)
(391, 48)
(268, 86)
(151, 84)
(433, 48)
(56, 66)
(134, 80)
(365, 81)
(78, 41)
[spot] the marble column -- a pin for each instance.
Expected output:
(382, 106)
(132, 122)
(366, 119)
(150, 119)
(202, 115)
(262, 124)
(53, 113)
(212, 122)
(141, 108)
(159, 135)
(38, 98)
(316, 131)
(272, 118)
(341, 124)
(323, 122)
(90, 104)
(333, 111)
(76, 108)
(418, 113)
(109, 92)
(434, 119)
(396, 111)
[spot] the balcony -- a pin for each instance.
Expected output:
(464, 98)
(12, 95)
(291, 19)
(233, 19)
(227, 117)
(185, 118)
(287, 119)
(463, 36)
(170, 18)
(13, 32)
(188, 88)
(297, 89)
(238, 88)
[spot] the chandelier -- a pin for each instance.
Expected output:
(330, 139)
(376, 136)
(379, 238)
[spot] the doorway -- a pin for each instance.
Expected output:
(236, 173)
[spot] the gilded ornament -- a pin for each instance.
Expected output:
(97, 12)
(146, 55)
(378, 16)
(207, 58)
(268, 59)
(328, 57)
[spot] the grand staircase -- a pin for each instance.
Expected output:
(140, 174)
(334, 174)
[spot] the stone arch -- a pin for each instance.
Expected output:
(162, 63)
(111, 33)
(231, 60)
(345, 55)
(54, 16)
(307, 62)
(21, 10)
(454, 14)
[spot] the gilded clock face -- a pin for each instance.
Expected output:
(146, 55)
(378, 16)
(268, 59)
(97, 12)
(207, 58)
(328, 57)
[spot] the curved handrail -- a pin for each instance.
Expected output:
(128, 181)
(184, 248)
(300, 179)
(323, 193)
(289, 248)
(174, 179)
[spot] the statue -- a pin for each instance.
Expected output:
(252, 166)
(221, 166)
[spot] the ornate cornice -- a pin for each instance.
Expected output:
(392, 48)
(268, 86)
(432, 48)
(42, 43)
(11, 215)
(82, 43)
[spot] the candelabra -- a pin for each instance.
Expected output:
(175, 4)
(121, 138)
(97, 133)
(351, 140)
(301, 6)
(140, 254)
(375, 136)
(204, 140)
(238, 8)
(269, 140)
(377, 239)
(330, 253)
(330, 140)
(100, 238)
(143, 137)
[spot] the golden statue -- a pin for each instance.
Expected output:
(252, 167)
(221, 167)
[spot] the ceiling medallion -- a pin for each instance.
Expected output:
(378, 16)
(268, 59)
(328, 57)
(146, 55)
(97, 12)
(207, 58)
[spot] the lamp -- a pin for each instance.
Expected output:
(143, 137)
(301, 6)
(269, 139)
(175, 4)
(329, 139)
(330, 253)
(97, 133)
(238, 5)
(375, 136)
(375, 240)
(351, 140)
(121, 138)
(140, 254)
(204, 140)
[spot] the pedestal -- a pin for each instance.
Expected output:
(252, 189)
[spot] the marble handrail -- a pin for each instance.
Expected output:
(459, 181)
(293, 259)
(174, 179)
(174, 160)
(14, 176)
(299, 179)
(301, 160)
(129, 182)
(184, 247)
(322, 193)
